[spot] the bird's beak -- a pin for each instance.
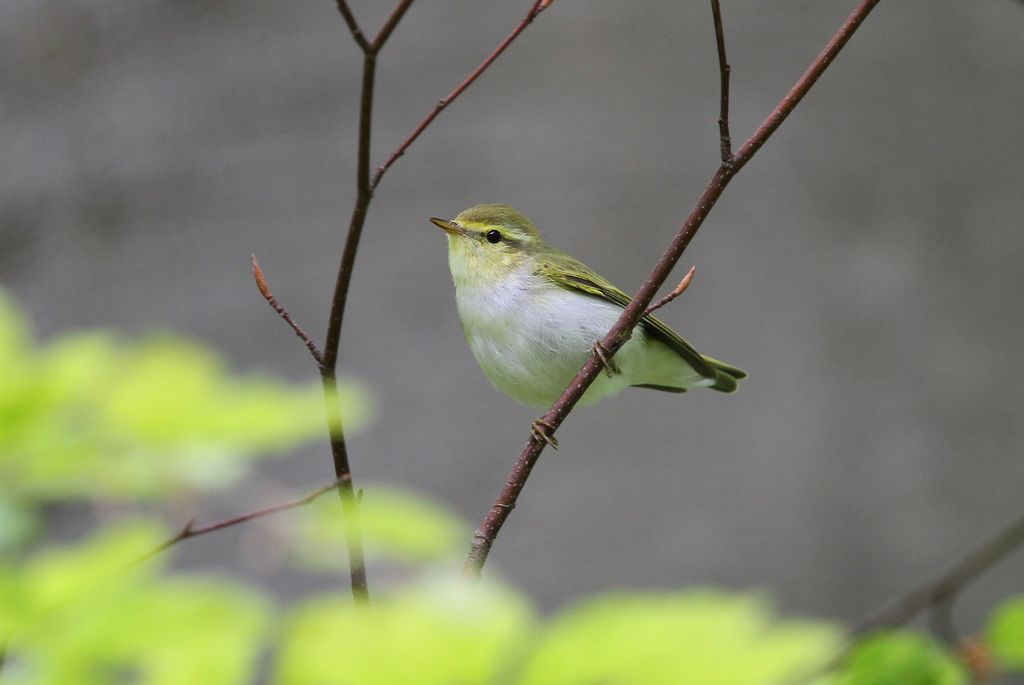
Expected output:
(446, 225)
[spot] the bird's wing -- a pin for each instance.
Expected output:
(576, 276)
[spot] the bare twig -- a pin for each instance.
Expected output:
(190, 530)
(623, 328)
(389, 25)
(676, 292)
(538, 7)
(353, 26)
(724, 70)
(946, 585)
(261, 283)
(934, 593)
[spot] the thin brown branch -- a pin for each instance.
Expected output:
(934, 593)
(944, 587)
(538, 7)
(676, 292)
(724, 71)
(623, 328)
(261, 283)
(190, 530)
(389, 25)
(328, 369)
(353, 26)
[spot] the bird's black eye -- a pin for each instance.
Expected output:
(494, 236)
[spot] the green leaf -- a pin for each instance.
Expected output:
(94, 417)
(395, 523)
(1005, 633)
(701, 637)
(901, 658)
(89, 614)
(442, 632)
(191, 631)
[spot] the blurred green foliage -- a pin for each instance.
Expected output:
(90, 419)
(699, 636)
(900, 658)
(87, 614)
(433, 632)
(1005, 633)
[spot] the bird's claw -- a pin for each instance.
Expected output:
(543, 431)
(604, 356)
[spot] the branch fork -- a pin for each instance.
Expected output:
(327, 359)
(676, 292)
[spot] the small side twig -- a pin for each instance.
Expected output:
(676, 292)
(538, 7)
(724, 71)
(261, 283)
(190, 530)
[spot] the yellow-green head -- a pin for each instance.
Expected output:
(487, 243)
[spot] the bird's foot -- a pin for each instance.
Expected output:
(605, 357)
(543, 431)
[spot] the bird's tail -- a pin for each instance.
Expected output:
(727, 376)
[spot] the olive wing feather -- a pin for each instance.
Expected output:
(575, 276)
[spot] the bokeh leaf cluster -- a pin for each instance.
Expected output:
(89, 614)
(91, 417)
(94, 421)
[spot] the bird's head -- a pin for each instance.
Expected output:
(487, 243)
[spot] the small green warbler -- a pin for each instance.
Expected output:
(532, 314)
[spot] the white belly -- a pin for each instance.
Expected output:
(531, 341)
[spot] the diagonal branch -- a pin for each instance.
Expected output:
(190, 530)
(933, 593)
(538, 7)
(261, 283)
(389, 25)
(623, 328)
(944, 587)
(353, 25)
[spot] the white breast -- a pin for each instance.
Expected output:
(530, 337)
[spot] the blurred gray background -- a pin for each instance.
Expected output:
(865, 267)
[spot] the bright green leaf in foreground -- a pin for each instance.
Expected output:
(91, 416)
(900, 658)
(1005, 634)
(701, 637)
(89, 615)
(442, 632)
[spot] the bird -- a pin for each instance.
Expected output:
(532, 314)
